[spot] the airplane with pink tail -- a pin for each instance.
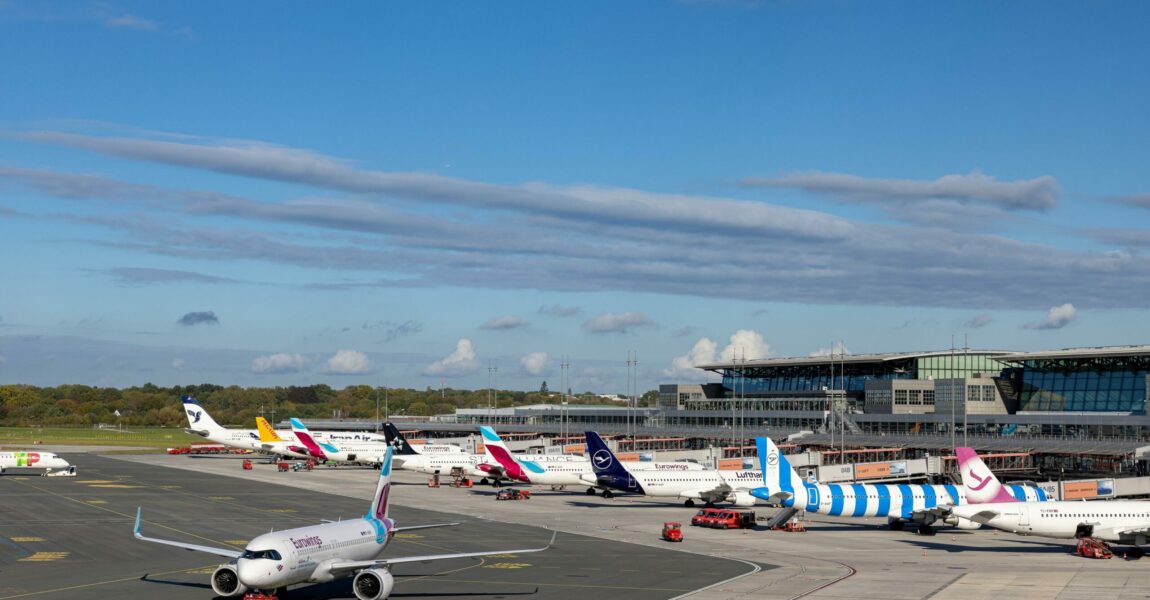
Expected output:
(320, 553)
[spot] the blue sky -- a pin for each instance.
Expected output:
(272, 193)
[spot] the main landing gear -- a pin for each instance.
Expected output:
(607, 494)
(590, 491)
(925, 529)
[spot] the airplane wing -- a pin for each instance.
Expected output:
(425, 526)
(718, 492)
(228, 552)
(984, 516)
(942, 510)
(342, 567)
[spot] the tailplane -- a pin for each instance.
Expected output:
(978, 482)
(199, 421)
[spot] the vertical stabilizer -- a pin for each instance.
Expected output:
(304, 437)
(379, 504)
(267, 432)
(199, 421)
(978, 482)
(395, 439)
(498, 452)
(604, 462)
(779, 478)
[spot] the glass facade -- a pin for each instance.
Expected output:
(1081, 388)
(750, 381)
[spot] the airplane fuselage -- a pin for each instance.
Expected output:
(1120, 521)
(899, 501)
(440, 464)
(31, 460)
(306, 554)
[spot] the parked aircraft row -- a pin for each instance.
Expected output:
(981, 499)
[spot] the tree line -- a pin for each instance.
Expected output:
(151, 405)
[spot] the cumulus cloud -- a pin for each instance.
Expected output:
(743, 344)
(279, 363)
(836, 349)
(129, 21)
(348, 362)
(556, 310)
(1056, 318)
(978, 321)
(617, 322)
(1040, 193)
(198, 318)
(504, 323)
(462, 361)
(536, 363)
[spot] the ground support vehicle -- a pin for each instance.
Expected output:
(733, 519)
(1093, 548)
(672, 531)
(513, 494)
(704, 517)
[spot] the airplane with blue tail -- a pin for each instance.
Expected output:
(271, 562)
(921, 504)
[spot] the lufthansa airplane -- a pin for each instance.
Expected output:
(320, 553)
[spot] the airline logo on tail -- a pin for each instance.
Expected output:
(377, 514)
(267, 432)
(603, 459)
(314, 448)
(978, 482)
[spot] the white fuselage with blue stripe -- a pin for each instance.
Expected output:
(896, 501)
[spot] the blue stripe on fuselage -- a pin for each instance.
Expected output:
(953, 491)
(1018, 493)
(907, 500)
(860, 499)
(836, 492)
(1041, 494)
(929, 499)
(883, 500)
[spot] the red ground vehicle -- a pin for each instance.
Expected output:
(733, 519)
(247, 464)
(673, 531)
(282, 466)
(704, 517)
(513, 494)
(1093, 548)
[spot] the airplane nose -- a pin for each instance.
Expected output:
(256, 573)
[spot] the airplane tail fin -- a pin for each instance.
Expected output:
(304, 436)
(496, 450)
(395, 439)
(379, 505)
(267, 432)
(978, 482)
(779, 477)
(199, 421)
(603, 461)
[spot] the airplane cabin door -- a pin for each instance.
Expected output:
(1024, 516)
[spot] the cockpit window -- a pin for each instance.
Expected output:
(268, 554)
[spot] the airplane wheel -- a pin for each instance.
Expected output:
(484, 481)
(1135, 552)
(925, 529)
(496, 483)
(590, 491)
(896, 525)
(608, 494)
(689, 503)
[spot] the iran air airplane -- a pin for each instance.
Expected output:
(899, 503)
(555, 470)
(32, 460)
(320, 553)
(1125, 522)
(689, 483)
(363, 453)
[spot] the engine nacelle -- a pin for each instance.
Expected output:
(961, 523)
(742, 499)
(373, 584)
(226, 581)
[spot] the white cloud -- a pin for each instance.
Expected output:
(128, 21)
(178, 364)
(617, 322)
(683, 367)
(536, 363)
(836, 349)
(1056, 318)
(461, 362)
(348, 362)
(746, 344)
(278, 363)
(504, 323)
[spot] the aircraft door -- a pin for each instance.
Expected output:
(1023, 516)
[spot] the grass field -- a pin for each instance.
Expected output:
(151, 437)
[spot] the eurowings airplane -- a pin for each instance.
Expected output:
(320, 553)
(271, 441)
(395, 438)
(555, 470)
(1125, 522)
(32, 460)
(363, 453)
(899, 503)
(674, 481)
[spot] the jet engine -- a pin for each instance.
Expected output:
(373, 584)
(961, 523)
(226, 582)
(742, 499)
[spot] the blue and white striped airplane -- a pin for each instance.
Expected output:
(899, 503)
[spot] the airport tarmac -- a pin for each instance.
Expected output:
(71, 537)
(834, 559)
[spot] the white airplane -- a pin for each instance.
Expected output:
(33, 460)
(394, 437)
(708, 485)
(363, 453)
(1125, 522)
(555, 470)
(430, 462)
(202, 424)
(899, 503)
(320, 553)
